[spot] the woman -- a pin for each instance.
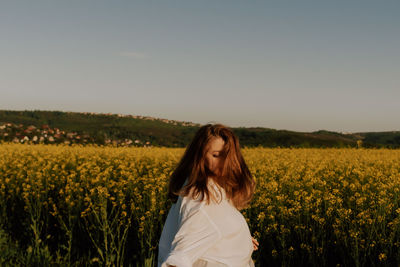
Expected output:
(209, 186)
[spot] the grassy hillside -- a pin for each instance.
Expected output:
(118, 129)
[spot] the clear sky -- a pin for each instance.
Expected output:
(295, 65)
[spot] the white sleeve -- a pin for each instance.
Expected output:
(196, 234)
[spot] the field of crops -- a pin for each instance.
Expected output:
(105, 206)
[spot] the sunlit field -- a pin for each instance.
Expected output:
(105, 206)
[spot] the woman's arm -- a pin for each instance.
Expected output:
(196, 234)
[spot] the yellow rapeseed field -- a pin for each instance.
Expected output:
(105, 206)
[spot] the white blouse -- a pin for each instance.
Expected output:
(197, 234)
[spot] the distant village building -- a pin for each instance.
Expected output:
(31, 128)
(128, 141)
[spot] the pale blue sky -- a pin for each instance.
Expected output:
(295, 65)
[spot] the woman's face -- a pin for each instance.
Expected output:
(214, 157)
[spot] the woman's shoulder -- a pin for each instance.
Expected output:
(194, 202)
(191, 203)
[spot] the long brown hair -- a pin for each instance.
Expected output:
(234, 177)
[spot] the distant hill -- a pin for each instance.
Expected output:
(128, 130)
